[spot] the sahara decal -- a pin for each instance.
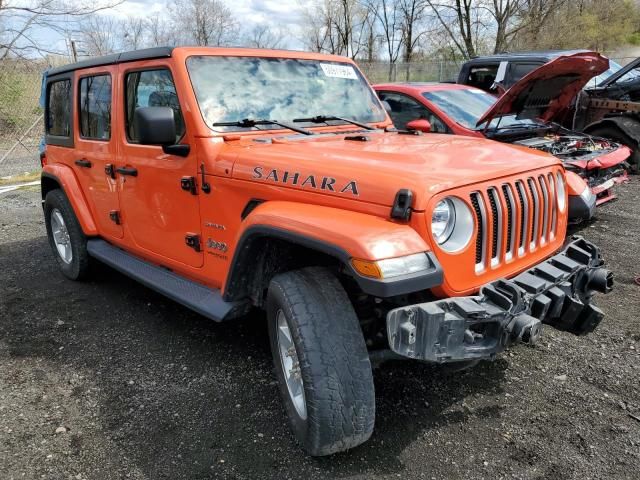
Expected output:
(308, 181)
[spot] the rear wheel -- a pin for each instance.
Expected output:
(619, 136)
(321, 361)
(67, 240)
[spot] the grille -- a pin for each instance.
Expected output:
(514, 218)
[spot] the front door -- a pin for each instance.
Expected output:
(95, 148)
(158, 215)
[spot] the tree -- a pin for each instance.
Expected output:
(338, 27)
(99, 35)
(264, 36)
(390, 19)
(133, 33)
(159, 31)
(204, 22)
(20, 18)
(460, 19)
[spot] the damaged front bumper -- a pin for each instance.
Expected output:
(556, 292)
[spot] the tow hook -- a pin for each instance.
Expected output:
(527, 329)
(601, 280)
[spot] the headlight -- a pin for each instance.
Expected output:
(443, 219)
(560, 192)
(393, 267)
(452, 224)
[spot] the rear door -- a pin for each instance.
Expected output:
(159, 216)
(95, 147)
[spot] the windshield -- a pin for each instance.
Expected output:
(231, 89)
(466, 107)
(614, 67)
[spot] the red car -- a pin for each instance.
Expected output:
(520, 117)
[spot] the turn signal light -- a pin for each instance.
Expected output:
(366, 268)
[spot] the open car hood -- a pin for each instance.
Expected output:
(548, 89)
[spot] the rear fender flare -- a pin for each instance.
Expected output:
(340, 234)
(66, 179)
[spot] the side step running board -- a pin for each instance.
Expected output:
(203, 300)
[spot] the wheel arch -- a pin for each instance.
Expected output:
(280, 236)
(63, 178)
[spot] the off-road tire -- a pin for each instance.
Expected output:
(333, 357)
(619, 136)
(78, 268)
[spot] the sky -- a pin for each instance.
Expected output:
(283, 13)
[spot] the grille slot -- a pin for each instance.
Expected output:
(511, 224)
(496, 237)
(522, 215)
(545, 209)
(481, 221)
(536, 213)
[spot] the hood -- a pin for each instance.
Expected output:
(548, 89)
(374, 170)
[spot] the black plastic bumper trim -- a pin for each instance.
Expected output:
(556, 292)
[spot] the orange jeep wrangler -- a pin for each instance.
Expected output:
(229, 179)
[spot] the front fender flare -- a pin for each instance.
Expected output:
(341, 234)
(67, 180)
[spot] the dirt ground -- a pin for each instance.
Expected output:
(108, 380)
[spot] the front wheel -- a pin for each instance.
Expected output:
(321, 361)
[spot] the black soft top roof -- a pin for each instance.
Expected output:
(144, 54)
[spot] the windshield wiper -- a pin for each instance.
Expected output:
(527, 126)
(250, 123)
(328, 118)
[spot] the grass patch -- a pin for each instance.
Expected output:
(23, 178)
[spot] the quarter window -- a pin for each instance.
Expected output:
(95, 107)
(151, 88)
(59, 108)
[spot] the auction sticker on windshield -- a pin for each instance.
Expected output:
(339, 71)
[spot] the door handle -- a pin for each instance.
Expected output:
(83, 162)
(133, 172)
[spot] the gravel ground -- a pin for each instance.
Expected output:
(108, 380)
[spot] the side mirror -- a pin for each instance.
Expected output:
(155, 125)
(420, 124)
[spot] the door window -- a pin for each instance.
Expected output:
(405, 109)
(95, 107)
(151, 88)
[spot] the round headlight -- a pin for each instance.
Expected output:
(560, 192)
(452, 224)
(443, 219)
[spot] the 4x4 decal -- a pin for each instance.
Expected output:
(311, 181)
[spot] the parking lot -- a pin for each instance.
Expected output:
(108, 380)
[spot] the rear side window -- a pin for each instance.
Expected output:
(482, 77)
(95, 107)
(519, 70)
(151, 88)
(59, 108)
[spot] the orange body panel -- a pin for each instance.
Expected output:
(322, 186)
